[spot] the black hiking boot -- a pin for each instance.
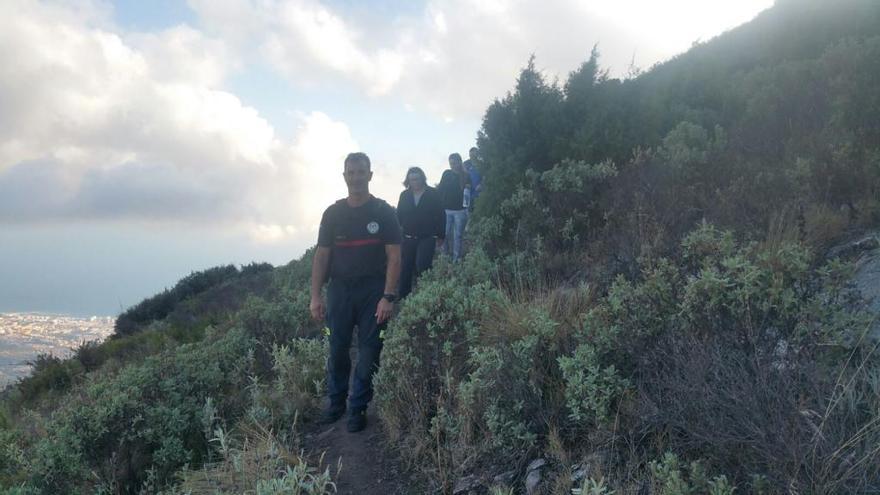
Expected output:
(357, 421)
(332, 414)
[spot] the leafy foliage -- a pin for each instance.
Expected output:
(162, 304)
(672, 479)
(147, 416)
(646, 294)
(589, 387)
(765, 120)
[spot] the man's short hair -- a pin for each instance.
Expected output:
(473, 149)
(357, 156)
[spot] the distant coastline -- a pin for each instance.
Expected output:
(26, 334)
(56, 314)
(6, 310)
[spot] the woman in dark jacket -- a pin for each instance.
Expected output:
(423, 224)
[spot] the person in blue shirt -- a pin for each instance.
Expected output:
(470, 166)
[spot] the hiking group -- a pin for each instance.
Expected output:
(372, 256)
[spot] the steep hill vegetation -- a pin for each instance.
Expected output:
(772, 122)
(647, 306)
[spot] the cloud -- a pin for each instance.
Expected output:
(452, 58)
(43, 191)
(676, 24)
(102, 124)
(304, 40)
(99, 125)
(308, 36)
(183, 54)
(282, 200)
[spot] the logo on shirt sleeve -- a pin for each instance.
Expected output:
(372, 227)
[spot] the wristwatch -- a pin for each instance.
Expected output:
(390, 297)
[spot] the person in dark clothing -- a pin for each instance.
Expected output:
(423, 222)
(455, 191)
(359, 248)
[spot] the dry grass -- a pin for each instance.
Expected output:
(252, 454)
(785, 227)
(509, 320)
(749, 413)
(824, 225)
(259, 456)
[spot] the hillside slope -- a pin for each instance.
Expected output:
(647, 307)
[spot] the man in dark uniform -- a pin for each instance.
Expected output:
(359, 248)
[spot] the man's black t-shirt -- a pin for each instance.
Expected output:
(357, 237)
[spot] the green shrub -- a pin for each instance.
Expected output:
(300, 368)
(591, 486)
(146, 417)
(18, 490)
(13, 460)
(162, 304)
(297, 387)
(469, 372)
(295, 275)
(49, 376)
(253, 461)
(501, 404)
(426, 354)
(643, 308)
(298, 480)
(590, 388)
(277, 321)
(427, 341)
(751, 331)
(555, 210)
(670, 478)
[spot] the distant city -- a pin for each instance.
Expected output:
(23, 336)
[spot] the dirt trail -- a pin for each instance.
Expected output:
(365, 465)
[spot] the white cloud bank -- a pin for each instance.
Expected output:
(101, 124)
(458, 55)
(98, 125)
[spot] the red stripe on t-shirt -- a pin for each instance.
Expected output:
(358, 242)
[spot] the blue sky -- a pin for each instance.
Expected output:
(142, 140)
(152, 15)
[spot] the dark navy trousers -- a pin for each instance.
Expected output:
(353, 302)
(416, 256)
